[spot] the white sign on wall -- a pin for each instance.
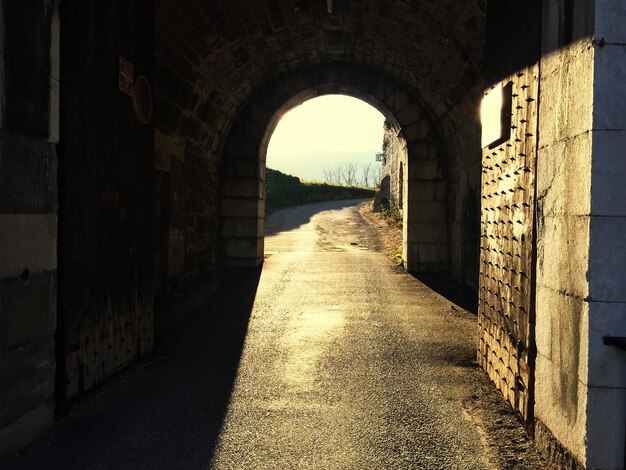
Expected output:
(495, 115)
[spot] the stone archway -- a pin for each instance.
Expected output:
(243, 162)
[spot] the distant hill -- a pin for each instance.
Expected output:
(283, 190)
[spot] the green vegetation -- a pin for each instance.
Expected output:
(283, 190)
(391, 215)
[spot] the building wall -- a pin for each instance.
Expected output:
(394, 165)
(580, 393)
(606, 379)
(29, 106)
(441, 191)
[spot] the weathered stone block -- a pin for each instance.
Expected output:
(20, 432)
(563, 254)
(606, 363)
(417, 131)
(561, 325)
(609, 93)
(423, 170)
(247, 167)
(27, 309)
(606, 408)
(610, 18)
(27, 241)
(251, 248)
(608, 173)
(418, 150)
(242, 227)
(410, 255)
(428, 233)
(28, 175)
(422, 191)
(433, 253)
(607, 259)
(560, 403)
(398, 99)
(566, 93)
(176, 253)
(409, 114)
(434, 211)
(563, 176)
(240, 187)
(235, 207)
(27, 377)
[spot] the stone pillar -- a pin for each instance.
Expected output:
(29, 117)
(425, 234)
(580, 390)
(242, 214)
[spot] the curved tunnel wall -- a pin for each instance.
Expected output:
(214, 59)
(243, 162)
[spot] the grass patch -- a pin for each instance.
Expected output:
(283, 190)
(391, 216)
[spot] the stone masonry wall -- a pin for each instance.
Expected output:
(29, 106)
(606, 380)
(212, 59)
(395, 158)
(581, 383)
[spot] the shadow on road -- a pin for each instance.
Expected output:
(291, 218)
(444, 285)
(166, 411)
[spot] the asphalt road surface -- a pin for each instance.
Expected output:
(330, 357)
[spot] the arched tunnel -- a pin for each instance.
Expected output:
(134, 141)
(409, 60)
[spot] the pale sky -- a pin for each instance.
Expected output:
(322, 132)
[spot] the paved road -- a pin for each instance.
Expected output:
(327, 358)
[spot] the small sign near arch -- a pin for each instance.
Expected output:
(142, 100)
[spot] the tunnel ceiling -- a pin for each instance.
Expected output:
(213, 54)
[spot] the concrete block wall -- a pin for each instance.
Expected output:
(580, 382)
(29, 106)
(563, 216)
(425, 216)
(606, 379)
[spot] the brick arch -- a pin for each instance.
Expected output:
(242, 168)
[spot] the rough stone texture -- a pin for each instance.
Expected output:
(555, 454)
(28, 179)
(242, 166)
(28, 221)
(213, 59)
(27, 309)
(394, 165)
(27, 244)
(606, 381)
(580, 394)
(20, 432)
(562, 244)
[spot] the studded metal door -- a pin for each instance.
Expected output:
(507, 250)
